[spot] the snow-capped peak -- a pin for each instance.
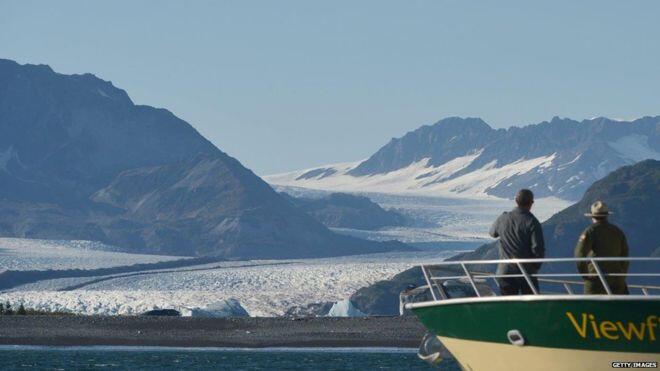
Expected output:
(419, 178)
(467, 158)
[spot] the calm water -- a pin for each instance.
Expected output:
(124, 358)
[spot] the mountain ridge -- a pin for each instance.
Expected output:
(465, 157)
(79, 160)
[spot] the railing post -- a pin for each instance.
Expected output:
(441, 290)
(469, 277)
(428, 282)
(602, 277)
(529, 280)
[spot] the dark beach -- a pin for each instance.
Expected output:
(210, 332)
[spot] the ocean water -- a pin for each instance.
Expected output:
(152, 358)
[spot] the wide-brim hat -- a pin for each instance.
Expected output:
(598, 209)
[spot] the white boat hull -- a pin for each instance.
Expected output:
(485, 356)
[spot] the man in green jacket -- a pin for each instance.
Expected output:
(602, 239)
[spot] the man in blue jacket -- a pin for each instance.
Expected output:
(521, 237)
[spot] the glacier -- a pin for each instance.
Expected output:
(264, 288)
(33, 254)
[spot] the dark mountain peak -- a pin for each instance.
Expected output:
(449, 127)
(63, 127)
(9, 65)
(555, 124)
(83, 88)
(79, 160)
(611, 121)
(103, 88)
(599, 120)
(560, 120)
(456, 122)
(443, 141)
(655, 120)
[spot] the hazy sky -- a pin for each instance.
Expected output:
(283, 85)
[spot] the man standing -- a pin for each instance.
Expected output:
(602, 239)
(521, 237)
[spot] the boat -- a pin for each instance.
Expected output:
(554, 328)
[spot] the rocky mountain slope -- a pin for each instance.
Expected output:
(341, 210)
(79, 160)
(465, 157)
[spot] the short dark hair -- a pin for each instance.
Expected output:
(524, 197)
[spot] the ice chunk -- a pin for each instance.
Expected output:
(345, 308)
(224, 308)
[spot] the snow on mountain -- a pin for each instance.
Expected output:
(27, 254)
(466, 158)
(420, 178)
(635, 147)
(263, 288)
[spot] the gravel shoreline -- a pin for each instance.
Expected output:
(210, 332)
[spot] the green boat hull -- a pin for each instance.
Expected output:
(612, 325)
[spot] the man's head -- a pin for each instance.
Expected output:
(599, 212)
(525, 199)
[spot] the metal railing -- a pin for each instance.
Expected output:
(477, 278)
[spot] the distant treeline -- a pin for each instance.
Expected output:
(7, 309)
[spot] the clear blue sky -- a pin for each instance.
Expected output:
(283, 85)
